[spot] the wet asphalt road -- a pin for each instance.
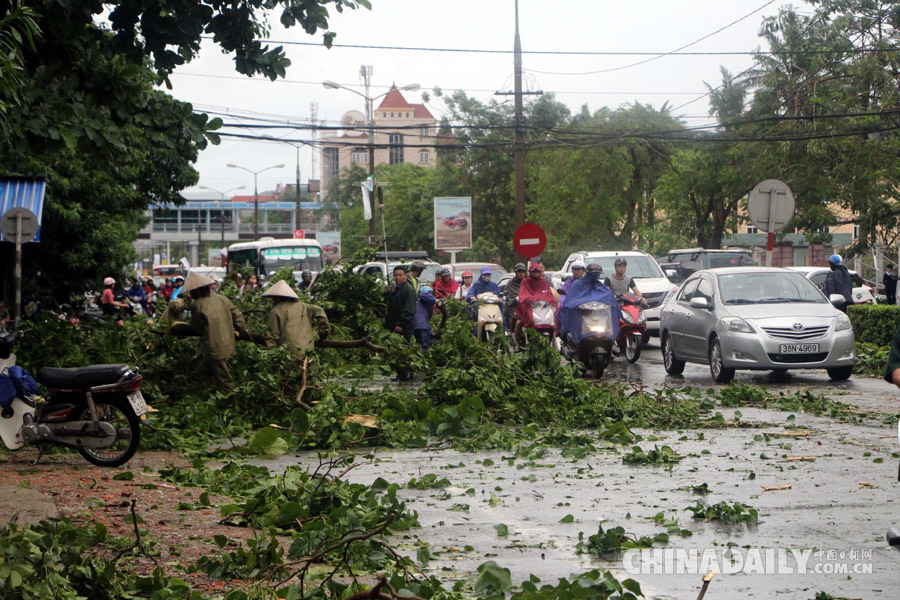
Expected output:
(843, 500)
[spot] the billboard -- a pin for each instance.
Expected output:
(452, 223)
(331, 246)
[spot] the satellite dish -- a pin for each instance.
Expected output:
(353, 118)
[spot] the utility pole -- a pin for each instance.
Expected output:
(519, 140)
(299, 209)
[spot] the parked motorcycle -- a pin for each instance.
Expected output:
(96, 410)
(632, 326)
(592, 342)
(489, 314)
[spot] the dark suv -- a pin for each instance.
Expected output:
(679, 264)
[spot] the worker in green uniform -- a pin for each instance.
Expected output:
(217, 321)
(293, 323)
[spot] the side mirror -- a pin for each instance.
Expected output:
(837, 299)
(566, 276)
(561, 292)
(700, 302)
(672, 275)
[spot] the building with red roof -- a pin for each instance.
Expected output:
(405, 132)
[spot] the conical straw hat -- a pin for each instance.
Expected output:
(282, 290)
(196, 280)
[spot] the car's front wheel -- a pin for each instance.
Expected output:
(720, 373)
(840, 373)
(673, 365)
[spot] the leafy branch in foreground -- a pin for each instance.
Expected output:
(726, 513)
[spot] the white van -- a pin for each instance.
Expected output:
(642, 267)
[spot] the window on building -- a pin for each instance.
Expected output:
(392, 115)
(360, 157)
(423, 131)
(396, 148)
(423, 156)
(407, 115)
(752, 229)
(331, 162)
(165, 220)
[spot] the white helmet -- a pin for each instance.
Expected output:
(578, 264)
(109, 281)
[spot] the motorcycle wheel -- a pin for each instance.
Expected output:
(597, 368)
(128, 435)
(633, 348)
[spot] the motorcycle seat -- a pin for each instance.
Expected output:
(81, 377)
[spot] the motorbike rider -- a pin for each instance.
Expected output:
(534, 288)
(293, 323)
(463, 290)
(484, 284)
(108, 303)
(445, 286)
(178, 283)
(137, 294)
(305, 280)
(587, 289)
(511, 295)
(619, 283)
(577, 273)
(839, 282)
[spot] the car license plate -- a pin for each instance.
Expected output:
(799, 348)
(137, 403)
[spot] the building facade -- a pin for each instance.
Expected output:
(405, 133)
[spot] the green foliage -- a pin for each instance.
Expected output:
(609, 541)
(493, 580)
(595, 584)
(258, 557)
(429, 481)
(729, 514)
(744, 394)
(871, 359)
(657, 456)
(671, 525)
(874, 324)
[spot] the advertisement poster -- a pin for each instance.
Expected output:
(452, 223)
(331, 246)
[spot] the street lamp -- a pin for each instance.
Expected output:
(366, 73)
(255, 192)
(221, 211)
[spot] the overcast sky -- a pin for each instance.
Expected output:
(211, 83)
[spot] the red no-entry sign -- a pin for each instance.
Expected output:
(529, 240)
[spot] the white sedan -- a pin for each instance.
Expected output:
(755, 318)
(862, 294)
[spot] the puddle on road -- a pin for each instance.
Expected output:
(826, 508)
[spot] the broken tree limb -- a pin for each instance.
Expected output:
(776, 488)
(361, 343)
(302, 389)
(796, 458)
(181, 329)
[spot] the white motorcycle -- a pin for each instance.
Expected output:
(489, 314)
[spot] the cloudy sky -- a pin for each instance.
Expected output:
(610, 26)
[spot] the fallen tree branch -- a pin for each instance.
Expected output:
(362, 343)
(302, 389)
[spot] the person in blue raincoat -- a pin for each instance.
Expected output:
(424, 310)
(586, 289)
(484, 284)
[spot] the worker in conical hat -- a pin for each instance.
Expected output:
(293, 323)
(217, 321)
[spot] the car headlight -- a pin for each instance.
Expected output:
(737, 324)
(642, 318)
(626, 316)
(843, 322)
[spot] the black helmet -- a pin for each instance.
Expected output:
(594, 269)
(442, 271)
(519, 267)
(306, 274)
(621, 261)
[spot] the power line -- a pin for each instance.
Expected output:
(675, 51)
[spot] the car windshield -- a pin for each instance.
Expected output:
(768, 288)
(639, 267)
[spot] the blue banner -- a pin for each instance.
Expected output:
(26, 193)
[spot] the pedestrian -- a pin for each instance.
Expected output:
(463, 289)
(445, 286)
(890, 284)
(250, 284)
(173, 312)
(217, 321)
(416, 268)
(108, 303)
(424, 311)
(839, 282)
(293, 323)
(401, 313)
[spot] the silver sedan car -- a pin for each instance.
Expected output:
(754, 318)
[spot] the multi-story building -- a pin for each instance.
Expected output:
(404, 132)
